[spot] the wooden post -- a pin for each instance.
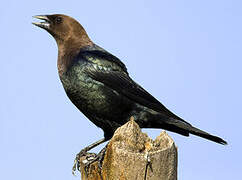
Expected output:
(132, 155)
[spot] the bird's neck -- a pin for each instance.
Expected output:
(68, 50)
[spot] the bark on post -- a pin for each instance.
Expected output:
(131, 154)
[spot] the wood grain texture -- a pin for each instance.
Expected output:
(128, 153)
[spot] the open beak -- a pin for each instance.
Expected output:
(44, 24)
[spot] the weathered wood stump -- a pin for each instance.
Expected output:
(132, 155)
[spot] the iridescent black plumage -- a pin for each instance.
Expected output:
(100, 87)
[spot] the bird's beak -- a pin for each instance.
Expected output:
(44, 24)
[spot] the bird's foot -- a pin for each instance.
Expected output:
(148, 164)
(99, 157)
(82, 153)
(90, 158)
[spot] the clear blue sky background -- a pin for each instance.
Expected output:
(185, 53)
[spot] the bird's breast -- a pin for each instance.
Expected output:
(91, 96)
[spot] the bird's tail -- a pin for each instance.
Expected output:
(206, 135)
(184, 128)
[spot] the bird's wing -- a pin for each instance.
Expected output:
(124, 85)
(101, 57)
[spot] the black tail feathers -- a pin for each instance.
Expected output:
(205, 135)
(184, 128)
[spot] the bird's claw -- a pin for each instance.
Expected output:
(88, 163)
(90, 158)
(76, 165)
(99, 157)
(148, 164)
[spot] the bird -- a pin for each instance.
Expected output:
(99, 85)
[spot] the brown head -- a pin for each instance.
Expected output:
(68, 33)
(64, 29)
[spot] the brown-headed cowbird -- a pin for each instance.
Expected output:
(99, 85)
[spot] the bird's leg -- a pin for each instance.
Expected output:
(83, 152)
(101, 156)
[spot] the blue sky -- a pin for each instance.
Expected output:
(185, 53)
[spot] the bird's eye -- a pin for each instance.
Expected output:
(58, 20)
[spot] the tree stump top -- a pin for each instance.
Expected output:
(131, 154)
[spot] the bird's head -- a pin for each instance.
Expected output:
(64, 29)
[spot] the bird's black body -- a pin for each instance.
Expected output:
(105, 107)
(100, 87)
